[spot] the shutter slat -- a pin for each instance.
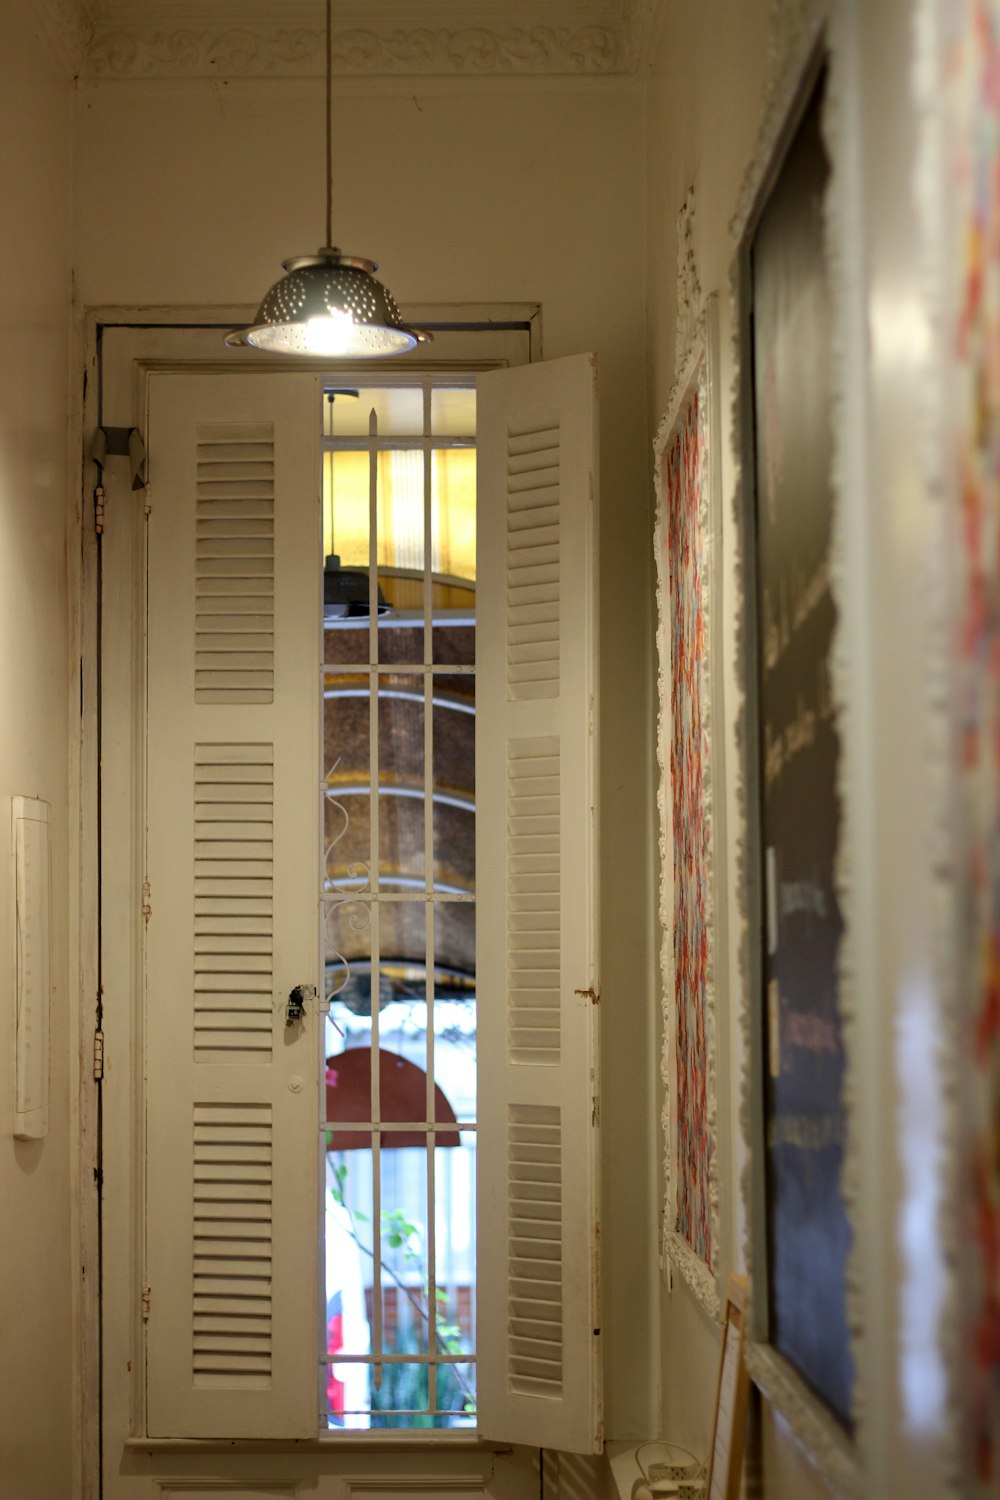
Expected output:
(234, 570)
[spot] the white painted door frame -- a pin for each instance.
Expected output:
(122, 347)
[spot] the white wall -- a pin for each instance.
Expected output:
(37, 1367)
(465, 192)
(705, 94)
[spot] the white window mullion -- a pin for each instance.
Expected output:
(373, 536)
(378, 1350)
(375, 782)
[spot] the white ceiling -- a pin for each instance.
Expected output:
(284, 38)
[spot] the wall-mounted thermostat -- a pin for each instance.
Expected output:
(32, 889)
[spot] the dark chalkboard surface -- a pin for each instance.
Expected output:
(807, 1230)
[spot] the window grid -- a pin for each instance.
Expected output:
(365, 888)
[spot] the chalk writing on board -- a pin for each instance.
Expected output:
(806, 1132)
(809, 592)
(810, 1033)
(805, 898)
(774, 1027)
(783, 744)
(780, 620)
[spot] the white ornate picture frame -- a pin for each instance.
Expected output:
(692, 1232)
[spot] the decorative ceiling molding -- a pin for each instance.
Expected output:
(787, 21)
(175, 39)
(247, 54)
(688, 281)
(67, 26)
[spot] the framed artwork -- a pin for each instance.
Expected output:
(687, 539)
(966, 37)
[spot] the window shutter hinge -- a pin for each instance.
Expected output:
(98, 1055)
(147, 909)
(99, 510)
(146, 1294)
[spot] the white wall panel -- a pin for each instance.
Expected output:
(36, 1177)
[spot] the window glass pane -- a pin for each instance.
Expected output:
(348, 931)
(401, 801)
(346, 798)
(455, 644)
(454, 782)
(401, 633)
(400, 543)
(402, 1397)
(453, 412)
(346, 508)
(349, 1239)
(346, 642)
(453, 514)
(398, 413)
(400, 1051)
(453, 537)
(455, 1194)
(404, 1020)
(407, 1297)
(401, 510)
(455, 1007)
(399, 528)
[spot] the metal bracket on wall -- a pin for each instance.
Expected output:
(120, 442)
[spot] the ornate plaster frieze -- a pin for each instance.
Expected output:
(688, 282)
(789, 21)
(67, 26)
(158, 39)
(243, 53)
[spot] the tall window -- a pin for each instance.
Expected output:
(238, 868)
(398, 888)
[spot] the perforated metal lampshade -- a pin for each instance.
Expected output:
(329, 304)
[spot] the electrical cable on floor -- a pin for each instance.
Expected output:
(668, 1479)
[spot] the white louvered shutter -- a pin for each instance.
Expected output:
(232, 864)
(536, 780)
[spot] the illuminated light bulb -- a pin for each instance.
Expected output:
(333, 334)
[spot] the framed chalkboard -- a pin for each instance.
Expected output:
(794, 743)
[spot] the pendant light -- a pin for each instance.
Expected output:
(329, 303)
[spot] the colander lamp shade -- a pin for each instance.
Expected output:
(330, 305)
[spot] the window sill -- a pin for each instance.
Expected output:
(335, 1443)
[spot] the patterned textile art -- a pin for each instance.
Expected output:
(682, 489)
(974, 68)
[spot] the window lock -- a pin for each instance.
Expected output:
(296, 1008)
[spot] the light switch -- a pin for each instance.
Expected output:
(32, 959)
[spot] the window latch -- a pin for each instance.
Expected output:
(297, 998)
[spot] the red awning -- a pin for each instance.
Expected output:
(403, 1096)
